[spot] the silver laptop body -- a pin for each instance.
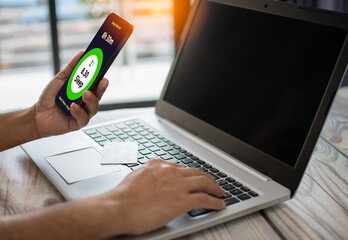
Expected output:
(213, 107)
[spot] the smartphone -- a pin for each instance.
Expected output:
(95, 61)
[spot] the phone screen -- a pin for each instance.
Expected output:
(95, 61)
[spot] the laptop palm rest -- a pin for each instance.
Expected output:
(41, 149)
(80, 164)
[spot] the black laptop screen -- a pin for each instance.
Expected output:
(258, 77)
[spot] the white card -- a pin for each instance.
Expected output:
(79, 165)
(120, 153)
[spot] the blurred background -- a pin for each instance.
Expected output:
(39, 37)
(35, 43)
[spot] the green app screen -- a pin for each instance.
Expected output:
(84, 73)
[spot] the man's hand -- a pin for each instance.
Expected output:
(45, 118)
(146, 200)
(156, 193)
(50, 120)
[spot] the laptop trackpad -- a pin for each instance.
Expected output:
(79, 165)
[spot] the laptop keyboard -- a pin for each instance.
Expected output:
(153, 145)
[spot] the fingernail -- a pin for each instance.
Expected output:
(223, 203)
(77, 107)
(73, 107)
(87, 94)
(105, 84)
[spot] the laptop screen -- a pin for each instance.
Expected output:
(258, 77)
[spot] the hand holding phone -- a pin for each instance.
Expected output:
(95, 61)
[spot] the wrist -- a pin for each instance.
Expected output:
(115, 220)
(100, 217)
(31, 116)
(18, 127)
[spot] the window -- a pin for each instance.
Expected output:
(25, 51)
(139, 71)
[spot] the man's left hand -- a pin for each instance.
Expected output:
(50, 120)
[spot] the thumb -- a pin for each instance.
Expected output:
(65, 73)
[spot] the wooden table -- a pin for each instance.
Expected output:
(318, 211)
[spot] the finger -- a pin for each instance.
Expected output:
(172, 164)
(92, 103)
(157, 161)
(203, 184)
(80, 115)
(187, 172)
(102, 86)
(57, 82)
(202, 200)
(65, 73)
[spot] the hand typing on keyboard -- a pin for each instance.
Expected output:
(151, 144)
(156, 193)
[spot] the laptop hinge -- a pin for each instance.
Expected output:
(215, 151)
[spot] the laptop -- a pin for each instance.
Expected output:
(245, 100)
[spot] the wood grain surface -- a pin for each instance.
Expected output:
(319, 210)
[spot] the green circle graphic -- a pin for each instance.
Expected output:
(95, 51)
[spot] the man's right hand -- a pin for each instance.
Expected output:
(146, 200)
(156, 193)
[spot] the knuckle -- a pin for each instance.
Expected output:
(154, 161)
(168, 170)
(93, 111)
(197, 171)
(202, 198)
(204, 181)
(197, 202)
(180, 197)
(84, 121)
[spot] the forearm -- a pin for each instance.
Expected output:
(17, 128)
(83, 219)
